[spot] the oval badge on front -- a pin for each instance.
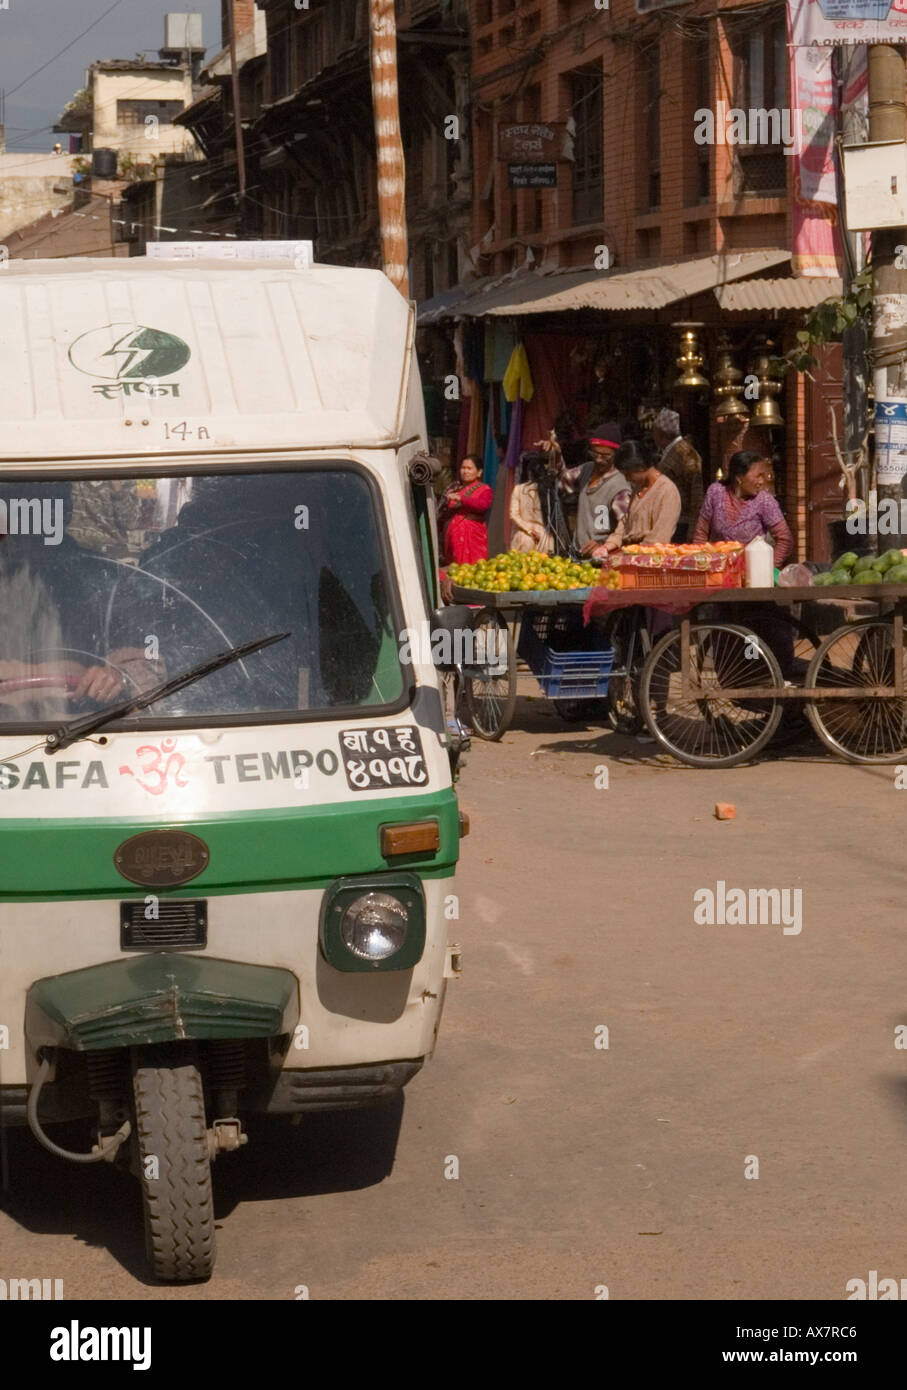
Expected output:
(161, 858)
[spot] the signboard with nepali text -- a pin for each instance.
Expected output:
(829, 22)
(533, 142)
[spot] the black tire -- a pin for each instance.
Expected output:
(178, 1200)
(711, 733)
(491, 699)
(628, 634)
(873, 730)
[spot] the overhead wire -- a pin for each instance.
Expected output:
(70, 45)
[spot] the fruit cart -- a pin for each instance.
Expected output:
(712, 693)
(539, 598)
(553, 642)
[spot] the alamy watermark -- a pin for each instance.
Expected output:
(753, 907)
(885, 517)
(27, 1289)
(464, 646)
(754, 125)
(33, 516)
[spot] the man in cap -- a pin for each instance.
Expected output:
(603, 493)
(680, 462)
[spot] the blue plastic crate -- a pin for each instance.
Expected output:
(564, 674)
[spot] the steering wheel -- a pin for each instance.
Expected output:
(47, 682)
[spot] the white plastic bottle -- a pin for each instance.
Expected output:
(760, 568)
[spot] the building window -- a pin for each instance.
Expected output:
(588, 152)
(279, 60)
(650, 89)
(760, 86)
(311, 48)
(133, 112)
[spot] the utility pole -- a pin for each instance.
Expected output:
(855, 367)
(237, 116)
(888, 121)
(388, 143)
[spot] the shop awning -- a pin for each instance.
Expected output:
(443, 305)
(803, 293)
(653, 287)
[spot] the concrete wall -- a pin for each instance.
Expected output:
(32, 185)
(109, 87)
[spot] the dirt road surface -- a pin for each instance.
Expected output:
(583, 1166)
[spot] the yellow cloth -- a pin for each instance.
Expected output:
(518, 378)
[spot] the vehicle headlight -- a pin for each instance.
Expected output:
(376, 922)
(374, 926)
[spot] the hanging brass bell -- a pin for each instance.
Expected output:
(767, 412)
(690, 359)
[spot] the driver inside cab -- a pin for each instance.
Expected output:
(55, 599)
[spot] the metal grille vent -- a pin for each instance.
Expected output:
(179, 926)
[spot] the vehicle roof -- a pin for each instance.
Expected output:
(104, 357)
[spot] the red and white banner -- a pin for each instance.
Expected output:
(816, 241)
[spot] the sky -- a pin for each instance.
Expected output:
(34, 32)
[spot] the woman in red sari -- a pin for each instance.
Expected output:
(464, 507)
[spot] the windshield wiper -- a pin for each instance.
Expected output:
(69, 733)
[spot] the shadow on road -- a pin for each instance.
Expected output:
(95, 1203)
(101, 1205)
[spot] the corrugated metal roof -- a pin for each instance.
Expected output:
(653, 287)
(803, 293)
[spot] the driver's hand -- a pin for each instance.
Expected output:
(100, 683)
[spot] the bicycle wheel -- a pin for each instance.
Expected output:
(721, 732)
(873, 730)
(491, 686)
(628, 633)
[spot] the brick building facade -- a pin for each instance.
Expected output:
(636, 194)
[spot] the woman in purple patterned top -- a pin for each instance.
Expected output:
(742, 508)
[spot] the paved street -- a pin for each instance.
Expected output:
(580, 1166)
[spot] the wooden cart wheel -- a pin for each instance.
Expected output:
(491, 689)
(873, 730)
(719, 732)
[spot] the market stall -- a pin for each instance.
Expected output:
(712, 693)
(710, 690)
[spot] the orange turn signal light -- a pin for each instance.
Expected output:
(412, 837)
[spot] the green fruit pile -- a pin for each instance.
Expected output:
(525, 572)
(890, 568)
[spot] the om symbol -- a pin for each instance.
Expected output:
(154, 766)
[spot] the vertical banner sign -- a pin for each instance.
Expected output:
(389, 143)
(817, 247)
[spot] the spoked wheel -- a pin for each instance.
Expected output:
(628, 634)
(873, 730)
(174, 1164)
(491, 686)
(717, 732)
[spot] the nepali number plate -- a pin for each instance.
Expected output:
(375, 758)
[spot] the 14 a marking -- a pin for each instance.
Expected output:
(184, 431)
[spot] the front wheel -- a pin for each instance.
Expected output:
(491, 684)
(174, 1165)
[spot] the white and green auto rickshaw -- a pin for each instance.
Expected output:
(227, 821)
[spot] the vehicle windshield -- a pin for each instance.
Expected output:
(111, 587)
